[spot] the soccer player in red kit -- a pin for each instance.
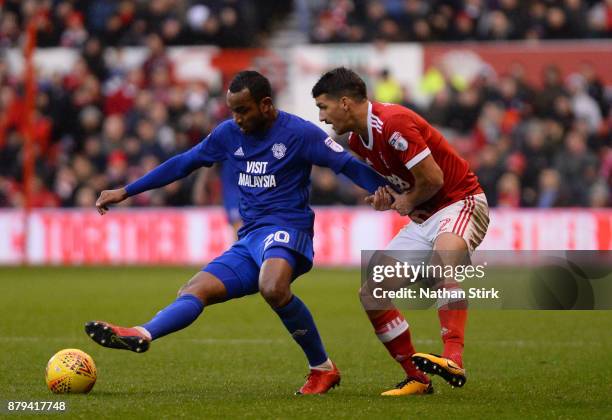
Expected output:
(435, 188)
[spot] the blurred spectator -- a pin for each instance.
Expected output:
(85, 197)
(549, 189)
(388, 89)
(41, 196)
(329, 189)
(509, 190)
(599, 195)
(599, 18)
(578, 168)
(489, 171)
(584, 106)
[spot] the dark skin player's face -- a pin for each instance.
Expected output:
(250, 116)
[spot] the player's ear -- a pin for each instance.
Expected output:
(345, 103)
(266, 105)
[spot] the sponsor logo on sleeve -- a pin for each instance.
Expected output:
(398, 142)
(329, 142)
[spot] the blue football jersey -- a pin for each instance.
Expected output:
(272, 170)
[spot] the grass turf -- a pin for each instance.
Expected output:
(238, 361)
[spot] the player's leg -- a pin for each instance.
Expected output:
(203, 289)
(461, 233)
(390, 326)
(217, 282)
(449, 250)
(276, 274)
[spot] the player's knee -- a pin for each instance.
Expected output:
(450, 242)
(276, 293)
(206, 288)
(191, 289)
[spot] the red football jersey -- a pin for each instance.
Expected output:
(398, 139)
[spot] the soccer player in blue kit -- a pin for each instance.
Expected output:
(271, 153)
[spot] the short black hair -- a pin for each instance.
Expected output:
(341, 82)
(257, 84)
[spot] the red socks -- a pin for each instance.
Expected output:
(452, 323)
(392, 330)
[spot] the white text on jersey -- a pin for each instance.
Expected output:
(256, 181)
(256, 167)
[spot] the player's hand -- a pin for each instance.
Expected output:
(381, 200)
(401, 202)
(110, 197)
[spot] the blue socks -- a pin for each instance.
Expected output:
(176, 316)
(295, 315)
(298, 321)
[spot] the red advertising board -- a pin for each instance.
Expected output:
(195, 236)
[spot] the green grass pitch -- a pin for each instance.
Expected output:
(237, 360)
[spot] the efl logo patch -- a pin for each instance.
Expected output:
(329, 142)
(278, 150)
(398, 142)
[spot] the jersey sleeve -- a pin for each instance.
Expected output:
(321, 150)
(211, 150)
(405, 137)
(204, 153)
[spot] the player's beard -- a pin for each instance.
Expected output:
(258, 126)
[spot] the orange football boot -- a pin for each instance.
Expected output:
(320, 381)
(114, 337)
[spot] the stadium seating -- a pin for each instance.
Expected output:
(100, 124)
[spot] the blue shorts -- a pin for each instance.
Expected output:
(238, 267)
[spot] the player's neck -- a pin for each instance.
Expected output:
(361, 119)
(270, 122)
(273, 117)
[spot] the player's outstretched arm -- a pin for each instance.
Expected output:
(171, 170)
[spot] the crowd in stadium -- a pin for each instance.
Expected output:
(444, 20)
(239, 23)
(98, 127)
(69, 23)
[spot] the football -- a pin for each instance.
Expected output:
(71, 371)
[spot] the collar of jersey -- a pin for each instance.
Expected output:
(370, 142)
